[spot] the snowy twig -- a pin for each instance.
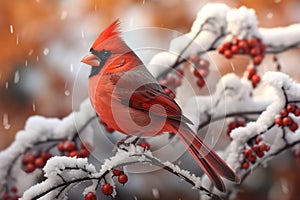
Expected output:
(62, 172)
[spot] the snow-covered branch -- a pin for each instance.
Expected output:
(63, 173)
(259, 127)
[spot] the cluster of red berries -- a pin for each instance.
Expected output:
(30, 161)
(201, 69)
(122, 178)
(285, 120)
(253, 76)
(258, 149)
(12, 195)
(171, 82)
(107, 188)
(250, 46)
(235, 124)
(108, 128)
(69, 148)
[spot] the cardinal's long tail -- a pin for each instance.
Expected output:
(212, 165)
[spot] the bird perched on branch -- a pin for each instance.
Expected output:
(129, 99)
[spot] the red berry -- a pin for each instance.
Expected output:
(84, 153)
(242, 44)
(291, 108)
(39, 162)
(123, 178)
(194, 58)
(258, 140)
(255, 148)
(221, 49)
(252, 158)
(6, 196)
(29, 168)
(197, 73)
(228, 54)
(264, 147)
(145, 145)
(257, 60)
(227, 45)
(251, 42)
(31, 158)
(260, 154)
(247, 50)
(255, 79)
(69, 146)
(14, 189)
(232, 125)
(167, 91)
(180, 72)
(73, 154)
(247, 152)
(61, 146)
(46, 156)
(90, 196)
(107, 189)
(200, 82)
(255, 51)
(234, 49)
(297, 112)
(203, 63)
(278, 121)
(172, 95)
(251, 72)
(287, 121)
(203, 72)
(284, 113)
(117, 172)
(294, 126)
(245, 165)
(241, 123)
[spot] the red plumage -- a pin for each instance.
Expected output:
(128, 99)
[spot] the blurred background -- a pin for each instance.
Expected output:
(42, 43)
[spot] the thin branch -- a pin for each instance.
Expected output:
(213, 119)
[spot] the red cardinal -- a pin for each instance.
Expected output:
(128, 99)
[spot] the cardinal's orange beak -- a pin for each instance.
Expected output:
(91, 60)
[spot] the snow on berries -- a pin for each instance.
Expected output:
(235, 124)
(252, 47)
(287, 121)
